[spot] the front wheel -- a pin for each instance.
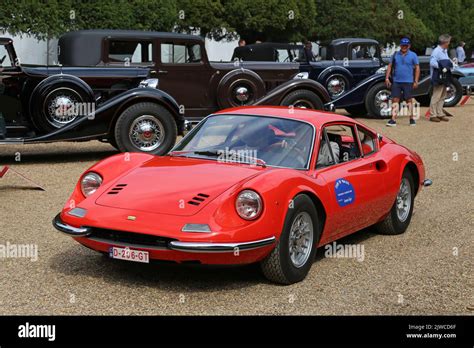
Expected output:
(399, 217)
(377, 101)
(145, 127)
(303, 98)
(294, 254)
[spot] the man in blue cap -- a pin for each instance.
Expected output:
(406, 74)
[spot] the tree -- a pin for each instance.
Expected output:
(384, 21)
(271, 20)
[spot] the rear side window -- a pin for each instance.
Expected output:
(367, 141)
(5, 57)
(180, 53)
(338, 144)
(130, 52)
(363, 51)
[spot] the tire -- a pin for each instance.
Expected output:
(303, 98)
(47, 98)
(278, 265)
(150, 118)
(357, 110)
(457, 94)
(379, 89)
(393, 224)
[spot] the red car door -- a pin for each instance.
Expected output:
(356, 183)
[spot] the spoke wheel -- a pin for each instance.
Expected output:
(301, 239)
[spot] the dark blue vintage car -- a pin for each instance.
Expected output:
(351, 69)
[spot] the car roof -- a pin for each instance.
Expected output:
(138, 34)
(345, 40)
(315, 117)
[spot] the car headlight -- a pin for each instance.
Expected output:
(90, 183)
(150, 83)
(301, 75)
(381, 70)
(248, 205)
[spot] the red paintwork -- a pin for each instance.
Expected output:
(157, 187)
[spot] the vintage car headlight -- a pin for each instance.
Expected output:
(150, 83)
(248, 205)
(90, 183)
(302, 75)
(381, 70)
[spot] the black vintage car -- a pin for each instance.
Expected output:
(122, 106)
(180, 62)
(351, 69)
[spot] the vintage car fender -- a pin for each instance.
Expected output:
(276, 95)
(356, 95)
(100, 123)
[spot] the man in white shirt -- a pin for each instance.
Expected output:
(439, 57)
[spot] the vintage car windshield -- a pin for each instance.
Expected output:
(261, 140)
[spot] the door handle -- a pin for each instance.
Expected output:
(162, 72)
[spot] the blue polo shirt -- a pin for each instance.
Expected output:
(404, 66)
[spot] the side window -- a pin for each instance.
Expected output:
(342, 146)
(367, 141)
(130, 51)
(363, 51)
(180, 53)
(5, 57)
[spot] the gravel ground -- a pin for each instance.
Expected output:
(427, 270)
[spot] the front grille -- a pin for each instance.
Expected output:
(130, 238)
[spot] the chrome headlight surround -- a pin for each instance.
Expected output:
(90, 183)
(150, 83)
(248, 205)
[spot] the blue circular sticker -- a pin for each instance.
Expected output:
(345, 193)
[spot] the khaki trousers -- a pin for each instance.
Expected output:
(437, 101)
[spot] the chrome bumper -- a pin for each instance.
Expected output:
(195, 247)
(70, 230)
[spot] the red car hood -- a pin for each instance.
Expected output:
(173, 185)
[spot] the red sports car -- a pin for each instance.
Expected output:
(249, 184)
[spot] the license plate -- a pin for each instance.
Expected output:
(129, 254)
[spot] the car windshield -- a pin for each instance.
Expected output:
(256, 140)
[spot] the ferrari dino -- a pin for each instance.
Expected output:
(248, 184)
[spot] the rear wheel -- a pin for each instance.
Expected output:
(454, 93)
(398, 219)
(303, 98)
(145, 127)
(294, 254)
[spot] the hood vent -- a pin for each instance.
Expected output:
(116, 189)
(198, 199)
